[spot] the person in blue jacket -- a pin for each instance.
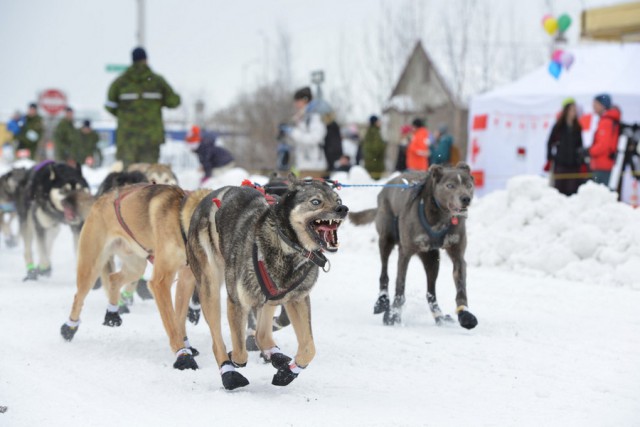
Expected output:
(440, 149)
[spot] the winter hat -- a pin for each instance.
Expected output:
(405, 130)
(443, 128)
(568, 101)
(86, 124)
(303, 93)
(373, 120)
(604, 99)
(68, 109)
(418, 123)
(138, 54)
(33, 105)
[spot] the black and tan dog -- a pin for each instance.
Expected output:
(268, 255)
(52, 194)
(139, 223)
(422, 219)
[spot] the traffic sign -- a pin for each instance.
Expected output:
(116, 68)
(53, 101)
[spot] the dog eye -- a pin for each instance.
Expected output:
(450, 186)
(315, 202)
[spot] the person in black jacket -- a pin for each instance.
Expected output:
(564, 150)
(214, 159)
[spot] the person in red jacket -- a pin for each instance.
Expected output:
(418, 150)
(605, 140)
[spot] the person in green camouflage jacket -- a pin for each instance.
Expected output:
(373, 148)
(31, 132)
(89, 139)
(67, 140)
(136, 98)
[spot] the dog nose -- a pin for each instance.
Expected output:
(465, 200)
(342, 210)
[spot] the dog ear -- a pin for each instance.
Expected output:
(465, 167)
(52, 174)
(436, 172)
(293, 179)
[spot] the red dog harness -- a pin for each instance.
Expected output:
(116, 204)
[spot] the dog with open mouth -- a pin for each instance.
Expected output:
(52, 194)
(427, 216)
(268, 254)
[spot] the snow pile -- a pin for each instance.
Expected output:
(531, 227)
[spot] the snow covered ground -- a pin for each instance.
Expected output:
(557, 343)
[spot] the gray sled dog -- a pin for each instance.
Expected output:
(268, 255)
(422, 219)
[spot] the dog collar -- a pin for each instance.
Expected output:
(316, 257)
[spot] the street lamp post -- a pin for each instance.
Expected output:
(141, 19)
(317, 78)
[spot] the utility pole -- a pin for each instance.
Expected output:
(141, 19)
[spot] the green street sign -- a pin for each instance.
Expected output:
(116, 68)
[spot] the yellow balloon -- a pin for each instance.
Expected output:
(551, 25)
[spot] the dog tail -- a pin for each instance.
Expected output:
(363, 217)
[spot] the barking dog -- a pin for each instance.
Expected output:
(53, 194)
(136, 223)
(422, 220)
(10, 183)
(267, 255)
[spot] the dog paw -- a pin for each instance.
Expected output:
(194, 351)
(112, 319)
(391, 317)
(251, 343)
(143, 290)
(68, 332)
(283, 377)
(467, 320)
(382, 304)
(32, 274)
(443, 320)
(194, 316)
(185, 361)
(232, 380)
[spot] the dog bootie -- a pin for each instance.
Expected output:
(32, 274)
(11, 242)
(382, 304)
(286, 375)
(69, 329)
(392, 316)
(231, 379)
(466, 319)
(185, 360)
(112, 318)
(45, 272)
(143, 290)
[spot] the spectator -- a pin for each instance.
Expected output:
(89, 145)
(604, 148)
(418, 149)
(351, 144)
(406, 133)
(343, 164)
(31, 132)
(564, 150)
(373, 148)
(15, 123)
(214, 159)
(307, 135)
(440, 149)
(136, 98)
(332, 141)
(67, 140)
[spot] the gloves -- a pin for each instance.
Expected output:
(32, 135)
(547, 166)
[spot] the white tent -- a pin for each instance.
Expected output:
(509, 126)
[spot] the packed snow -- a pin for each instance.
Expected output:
(556, 345)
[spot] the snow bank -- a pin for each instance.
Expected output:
(531, 227)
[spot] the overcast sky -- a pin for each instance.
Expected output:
(205, 49)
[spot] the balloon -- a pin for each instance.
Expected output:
(550, 26)
(557, 56)
(564, 22)
(545, 17)
(566, 59)
(555, 69)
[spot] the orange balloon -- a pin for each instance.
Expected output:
(550, 25)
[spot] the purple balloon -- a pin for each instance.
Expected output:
(566, 59)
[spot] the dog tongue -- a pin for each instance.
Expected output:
(327, 227)
(68, 214)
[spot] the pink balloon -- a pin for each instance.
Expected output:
(557, 56)
(545, 17)
(566, 59)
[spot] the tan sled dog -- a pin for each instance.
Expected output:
(138, 223)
